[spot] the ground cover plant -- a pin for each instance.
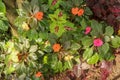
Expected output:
(46, 38)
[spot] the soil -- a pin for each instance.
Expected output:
(115, 74)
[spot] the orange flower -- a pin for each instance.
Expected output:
(39, 15)
(74, 11)
(80, 12)
(38, 74)
(56, 47)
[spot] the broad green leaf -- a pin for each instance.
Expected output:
(52, 38)
(104, 48)
(87, 41)
(97, 28)
(9, 70)
(66, 45)
(87, 53)
(3, 26)
(75, 46)
(107, 39)
(67, 36)
(109, 31)
(116, 42)
(2, 7)
(43, 35)
(94, 59)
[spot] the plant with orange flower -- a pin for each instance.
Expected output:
(56, 47)
(80, 12)
(74, 11)
(38, 74)
(39, 15)
(77, 11)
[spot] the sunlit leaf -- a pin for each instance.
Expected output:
(109, 31)
(87, 53)
(94, 59)
(33, 48)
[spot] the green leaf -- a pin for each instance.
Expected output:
(7, 59)
(88, 11)
(109, 56)
(22, 76)
(59, 65)
(52, 38)
(97, 28)
(33, 56)
(107, 39)
(116, 42)
(9, 70)
(57, 29)
(94, 59)
(87, 53)
(33, 48)
(75, 46)
(3, 26)
(66, 65)
(44, 7)
(83, 24)
(45, 59)
(66, 45)
(32, 34)
(104, 48)
(2, 7)
(70, 25)
(87, 41)
(109, 31)
(78, 2)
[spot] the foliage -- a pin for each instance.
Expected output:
(33, 50)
